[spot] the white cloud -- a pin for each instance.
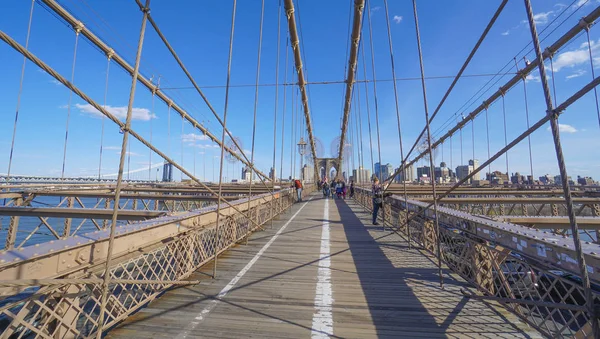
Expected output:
(505, 33)
(191, 137)
(581, 3)
(208, 146)
(542, 18)
(564, 128)
(397, 18)
(119, 111)
(577, 57)
(56, 82)
(531, 77)
(577, 74)
(560, 6)
(133, 154)
(112, 147)
(375, 9)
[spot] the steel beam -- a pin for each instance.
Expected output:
(78, 213)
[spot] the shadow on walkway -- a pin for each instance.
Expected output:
(401, 287)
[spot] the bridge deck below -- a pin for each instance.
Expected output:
(283, 284)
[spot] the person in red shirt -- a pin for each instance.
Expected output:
(298, 187)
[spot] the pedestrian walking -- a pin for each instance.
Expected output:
(351, 189)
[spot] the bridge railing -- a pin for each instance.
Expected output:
(530, 272)
(54, 289)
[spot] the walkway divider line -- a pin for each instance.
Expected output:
(200, 316)
(322, 323)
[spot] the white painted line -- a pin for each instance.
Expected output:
(322, 323)
(200, 316)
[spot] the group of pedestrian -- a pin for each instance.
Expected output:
(336, 187)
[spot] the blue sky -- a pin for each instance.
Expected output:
(199, 32)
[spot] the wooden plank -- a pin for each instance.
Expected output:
(381, 288)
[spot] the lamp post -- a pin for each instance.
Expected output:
(302, 152)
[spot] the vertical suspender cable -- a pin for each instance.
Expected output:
(473, 140)
(587, 31)
(274, 178)
(262, 14)
(505, 137)
(182, 127)
(12, 145)
(77, 31)
(437, 225)
(487, 134)
(292, 138)
(362, 52)
(374, 89)
(108, 59)
(285, 89)
(402, 164)
(216, 242)
(527, 119)
(585, 279)
(113, 226)
(150, 154)
(362, 154)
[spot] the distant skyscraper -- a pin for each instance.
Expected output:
(246, 173)
(308, 173)
(423, 171)
(167, 172)
(272, 174)
(410, 174)
(474, 163)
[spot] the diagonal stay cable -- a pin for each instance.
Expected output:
(456, 78)
(564, 39)
(261, 176)
(19, 48)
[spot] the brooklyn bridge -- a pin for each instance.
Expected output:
(456, 198)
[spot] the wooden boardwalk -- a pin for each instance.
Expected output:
(321, 271)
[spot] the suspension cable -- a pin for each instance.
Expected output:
(150, 151)
(77, 31)
(182, 131)
(487, 134)
(274, 177)
(523, 77)
(113, 226)
(12, 145)
(285, 90)
(472, 141)
(589, 43)
(362, 155)
(260, 35)
(435, 207)
(374, 88)
(460, 72)
(389, 31)
(108, 59)
(585, 279)
(229, 57)
(505, 136)
(362, 51)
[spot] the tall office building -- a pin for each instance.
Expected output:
(167, 172)
(361, 175)
(410, 174)
(474, 163)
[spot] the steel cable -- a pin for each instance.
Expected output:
(435, 207)
(78, 30)
(228, 79)
(19, 93)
